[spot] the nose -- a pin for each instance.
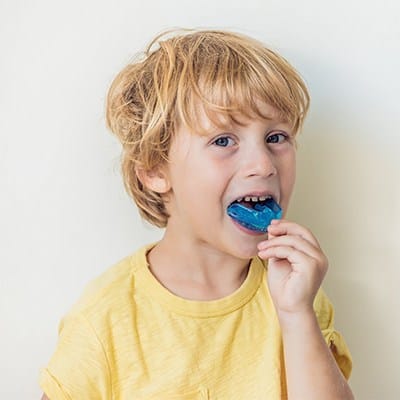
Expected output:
(259, 162)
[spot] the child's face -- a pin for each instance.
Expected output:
(207, 173)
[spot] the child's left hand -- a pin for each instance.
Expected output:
(296, 266)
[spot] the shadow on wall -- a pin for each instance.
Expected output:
(347, 193)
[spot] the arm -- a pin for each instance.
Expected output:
(78, 368)
(311, 370)
(296, 268)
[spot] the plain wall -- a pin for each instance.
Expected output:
(65, 217)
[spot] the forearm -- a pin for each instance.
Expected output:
(311, 370)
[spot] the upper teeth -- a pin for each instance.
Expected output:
(254, 198)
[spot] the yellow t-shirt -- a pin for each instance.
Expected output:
(130, 338)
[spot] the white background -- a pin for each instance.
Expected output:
(65, 217)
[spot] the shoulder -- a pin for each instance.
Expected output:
(112, 287)
(92, 331)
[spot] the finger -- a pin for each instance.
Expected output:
(284, 227)
(295, 257)
(297, 242)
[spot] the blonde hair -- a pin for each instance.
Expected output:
(227, 73)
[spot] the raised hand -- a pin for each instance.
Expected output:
(296, 266)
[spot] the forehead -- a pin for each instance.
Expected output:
(207, 120)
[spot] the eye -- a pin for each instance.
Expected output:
(224, 141)
(278, 137)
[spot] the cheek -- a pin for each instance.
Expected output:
(288, 178)
(194, 183)
(291, 178)
(291, 168)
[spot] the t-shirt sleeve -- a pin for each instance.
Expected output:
(325, 315)
(78, 369)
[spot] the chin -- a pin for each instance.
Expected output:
(246, 252)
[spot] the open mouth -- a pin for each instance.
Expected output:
(253, 202)
(255, 212)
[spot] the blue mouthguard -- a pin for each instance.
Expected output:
(256, 219)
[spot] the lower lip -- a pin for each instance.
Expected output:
(248, 231)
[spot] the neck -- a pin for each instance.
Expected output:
(195, 270)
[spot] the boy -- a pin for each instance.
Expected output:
(214, 310)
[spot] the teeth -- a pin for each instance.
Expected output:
(254, 198)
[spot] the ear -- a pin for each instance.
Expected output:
(155, 179)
